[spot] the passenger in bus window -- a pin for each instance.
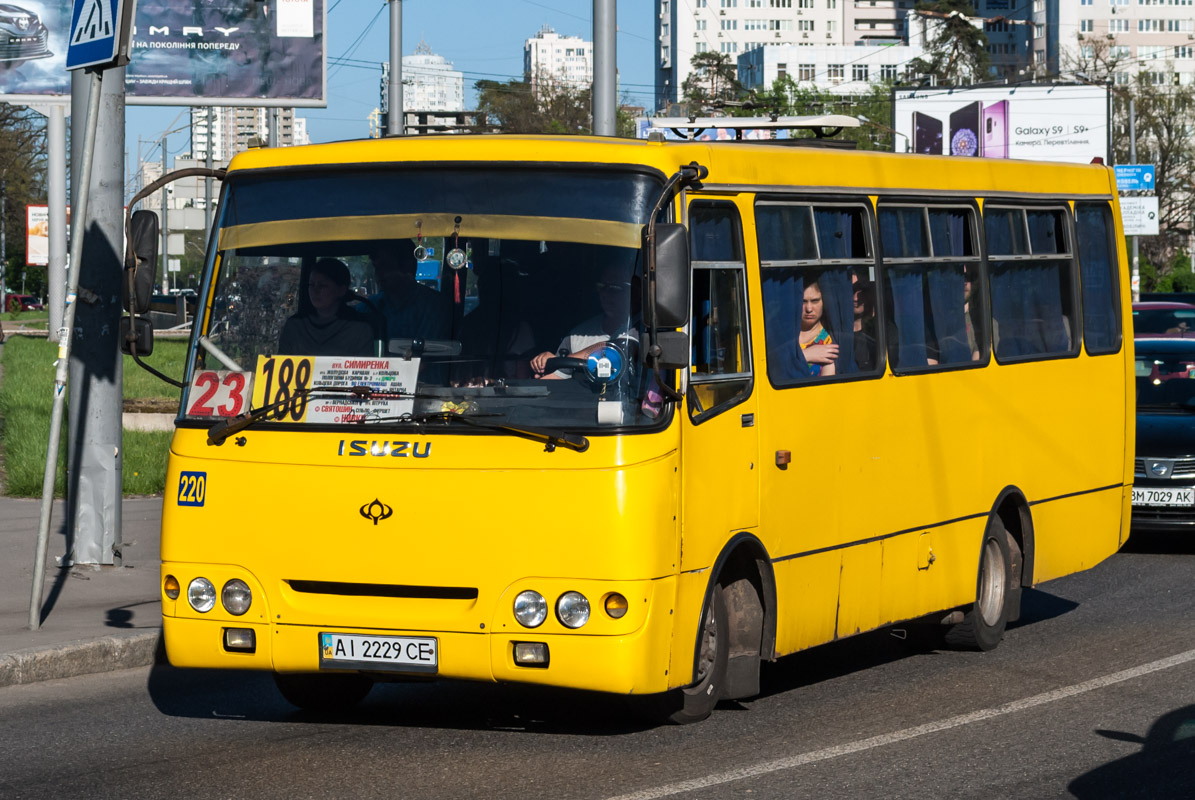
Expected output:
(410, 309)
(865, 323)
(325, 325)
(617, 294)
(968, 311)
(816, 342)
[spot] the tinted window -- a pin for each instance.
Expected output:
(1098, 276)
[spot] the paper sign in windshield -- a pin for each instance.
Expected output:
(386, 388)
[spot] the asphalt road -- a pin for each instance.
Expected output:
(1091, 695)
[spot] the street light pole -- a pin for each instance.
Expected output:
(396, 120)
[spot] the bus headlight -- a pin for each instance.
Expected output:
(201, 595)
(236, 597)
(572, 609)
(531, 609)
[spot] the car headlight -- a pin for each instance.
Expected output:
(201, 595)
(572, 609)
(236, 597)
(531, 609)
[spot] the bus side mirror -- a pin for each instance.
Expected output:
(137, 331)
(141, 256)
(672, 275)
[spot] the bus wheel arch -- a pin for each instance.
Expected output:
(1013, 511)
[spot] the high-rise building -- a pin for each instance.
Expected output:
(229, 130)
(685, 28)
(566, 59)
(430, 83)
(1150, 37)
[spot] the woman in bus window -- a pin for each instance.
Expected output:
(325, 326)
(816, 342)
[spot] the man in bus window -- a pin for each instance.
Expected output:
(410, 309)
(617, 292)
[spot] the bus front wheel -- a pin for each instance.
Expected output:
(697, 700)
(325, 693)
(983, 623)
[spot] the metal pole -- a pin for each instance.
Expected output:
(3, 243)
(56, 177)
(1135, 283)
(165, 228)
(207, 182)
(395, 123)
(605, 116)
(64, 346)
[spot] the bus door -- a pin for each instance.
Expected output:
(720, 445)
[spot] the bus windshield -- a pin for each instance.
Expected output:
(510, 294)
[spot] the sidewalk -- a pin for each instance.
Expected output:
(94, 619)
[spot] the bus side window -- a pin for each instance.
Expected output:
(933, 292)
(817, 275)
(1032, 282)
(720, 369)
(1098, 277)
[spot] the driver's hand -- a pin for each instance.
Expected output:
(539, 362)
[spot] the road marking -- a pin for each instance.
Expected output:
(814, 756)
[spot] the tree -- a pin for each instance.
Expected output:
(787, 97)
(550, 106)
(23, 164)
(712, 83)
(955, 48)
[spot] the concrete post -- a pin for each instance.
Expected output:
(396, 121)
(165, 221)
(605, 112)
(94, 444)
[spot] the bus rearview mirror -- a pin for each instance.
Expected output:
(672, 275)
(137, 331)
(141, 259)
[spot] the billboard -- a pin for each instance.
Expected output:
(37, 236)
(1058, 122)
(198, 53)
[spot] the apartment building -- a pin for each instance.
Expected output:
(568, 59)
(228, 130)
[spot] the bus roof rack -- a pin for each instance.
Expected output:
(822, 125)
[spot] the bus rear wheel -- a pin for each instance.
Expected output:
(323, 693)
(983, 623)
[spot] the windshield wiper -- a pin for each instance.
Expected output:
(551, 438)
(227, 427)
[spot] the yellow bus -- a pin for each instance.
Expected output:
(635, 416)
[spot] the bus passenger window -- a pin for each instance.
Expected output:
(933, 294)
(818, 282)
(1032, 282)
(1097, 270)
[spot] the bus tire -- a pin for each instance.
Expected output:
(984, 621)
(697, 701)
(323, 693)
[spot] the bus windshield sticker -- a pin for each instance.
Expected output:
(219, 393)
(390, 383)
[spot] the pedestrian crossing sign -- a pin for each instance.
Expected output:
(99, 33)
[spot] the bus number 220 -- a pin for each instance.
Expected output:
(192, 488)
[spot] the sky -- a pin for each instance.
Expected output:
(482, 38)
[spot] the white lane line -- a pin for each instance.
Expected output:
(766, 767)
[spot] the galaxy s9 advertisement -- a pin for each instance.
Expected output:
(1035, 122)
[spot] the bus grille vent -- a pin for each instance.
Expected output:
(384, 590)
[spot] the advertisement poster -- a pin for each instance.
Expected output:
(226, 52)
(1036, 122)
(37, 236)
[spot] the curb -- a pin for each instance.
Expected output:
(83, 657)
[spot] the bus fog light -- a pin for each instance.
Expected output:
(201, 595)
(170, 587)
(531, 609)
(236, 597)
(240, 640)
(616, 606)
(531, 654)
(572, 609)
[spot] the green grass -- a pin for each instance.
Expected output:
(26, 399)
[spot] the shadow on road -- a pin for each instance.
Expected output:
(225, 694)
(1164, 767)
(1177, 543)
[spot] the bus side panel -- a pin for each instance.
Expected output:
(859, 589)
(929, 570)
(807, 600)
(1075, 533)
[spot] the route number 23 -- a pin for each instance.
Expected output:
(219, 393)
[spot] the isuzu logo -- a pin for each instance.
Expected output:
(1159, 469)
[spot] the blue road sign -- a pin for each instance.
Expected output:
(95, 33)
(1135, 177)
